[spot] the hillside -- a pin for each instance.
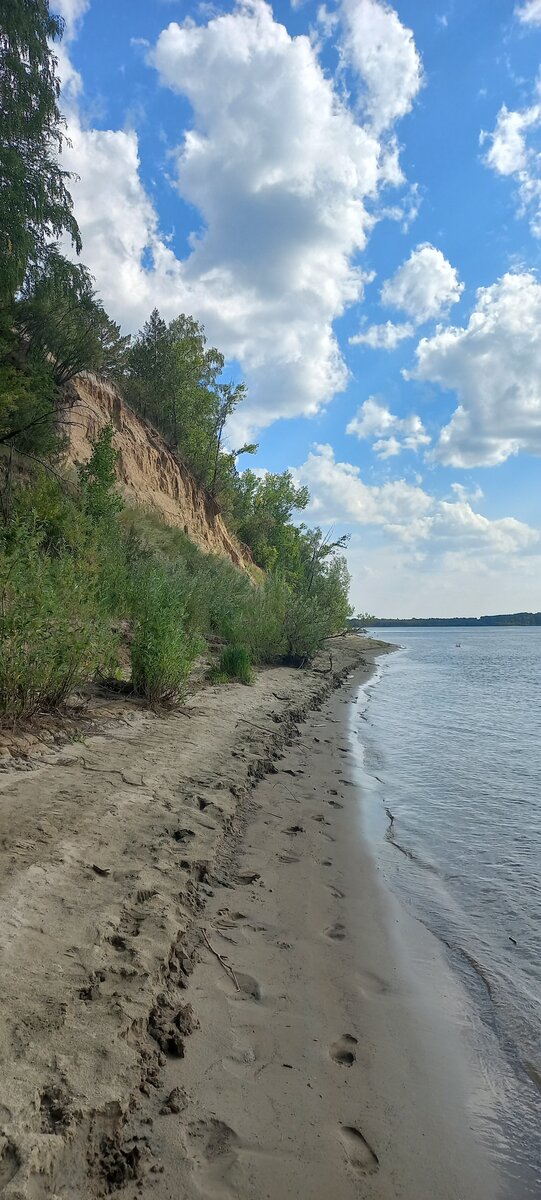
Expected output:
(149, 473)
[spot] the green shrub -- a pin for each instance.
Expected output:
(162, 650)
(305, 627)
(53, 635)
(235, 663)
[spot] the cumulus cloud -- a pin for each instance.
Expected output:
(494, 366)
(530, 12)
(383, 52)
(382, 337)
(406, 512)
(425, 286)
(286, 182)
(339, 494)
(374, 420)
(118, 223)
(514, 151)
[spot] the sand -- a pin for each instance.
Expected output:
(206, 991)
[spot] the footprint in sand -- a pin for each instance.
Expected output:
(343, 1051)
(336, 932)
(9, 1163)
(335, 804)
(213, 1150)
(359, 1153)
(248, 986)
(335, 892)
(228, 920)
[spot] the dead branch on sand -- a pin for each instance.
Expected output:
(221, 960)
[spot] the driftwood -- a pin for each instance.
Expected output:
(327, 671)
(221, 960)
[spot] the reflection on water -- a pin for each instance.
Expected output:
(451, 743)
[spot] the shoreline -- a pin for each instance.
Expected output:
(108, 853)
(326, 1058)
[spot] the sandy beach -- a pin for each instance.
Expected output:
(207, 992)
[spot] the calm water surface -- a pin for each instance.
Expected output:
(451, 743)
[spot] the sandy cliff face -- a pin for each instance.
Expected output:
(150, 474)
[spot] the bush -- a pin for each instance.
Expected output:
(305, 628)
(162, 650)
(235, 663)
(53, 635)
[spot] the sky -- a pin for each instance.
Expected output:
(348, 197)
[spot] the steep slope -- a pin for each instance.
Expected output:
(150, 474)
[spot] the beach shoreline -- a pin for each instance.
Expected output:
(326, 1060)
(228, 1003)
(108, 852)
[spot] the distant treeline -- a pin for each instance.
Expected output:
(522, 618)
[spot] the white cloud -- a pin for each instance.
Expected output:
(72, 12)
(494, 366)
(467, 493)
(512, 153)
(383, 52)
(424, 286)
(529, 12)
(392, 580)
(327, 20)
(382, 337)
(406, 512)
(282, 175)
(339, 494)
(387, 447)
(375, 420)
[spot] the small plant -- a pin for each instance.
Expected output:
(235, 663)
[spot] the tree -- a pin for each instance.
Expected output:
(60, 319)
(228, 399)
(262, 512)
(35, 204)
(173, 379)
(113, 357)
(149, 363)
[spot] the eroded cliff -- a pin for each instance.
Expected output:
(150, 474)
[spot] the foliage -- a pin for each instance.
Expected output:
(97, 479)
(60, 319)
(35, 204)
(162, 651)
(305, 627)
(235, 663)
(28, 404)
(52, 632)
(262, 512)
(173, 381)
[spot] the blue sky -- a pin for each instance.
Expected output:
(349, 197)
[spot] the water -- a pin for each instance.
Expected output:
(451, 741)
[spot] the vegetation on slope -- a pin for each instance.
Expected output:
(83, 579)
